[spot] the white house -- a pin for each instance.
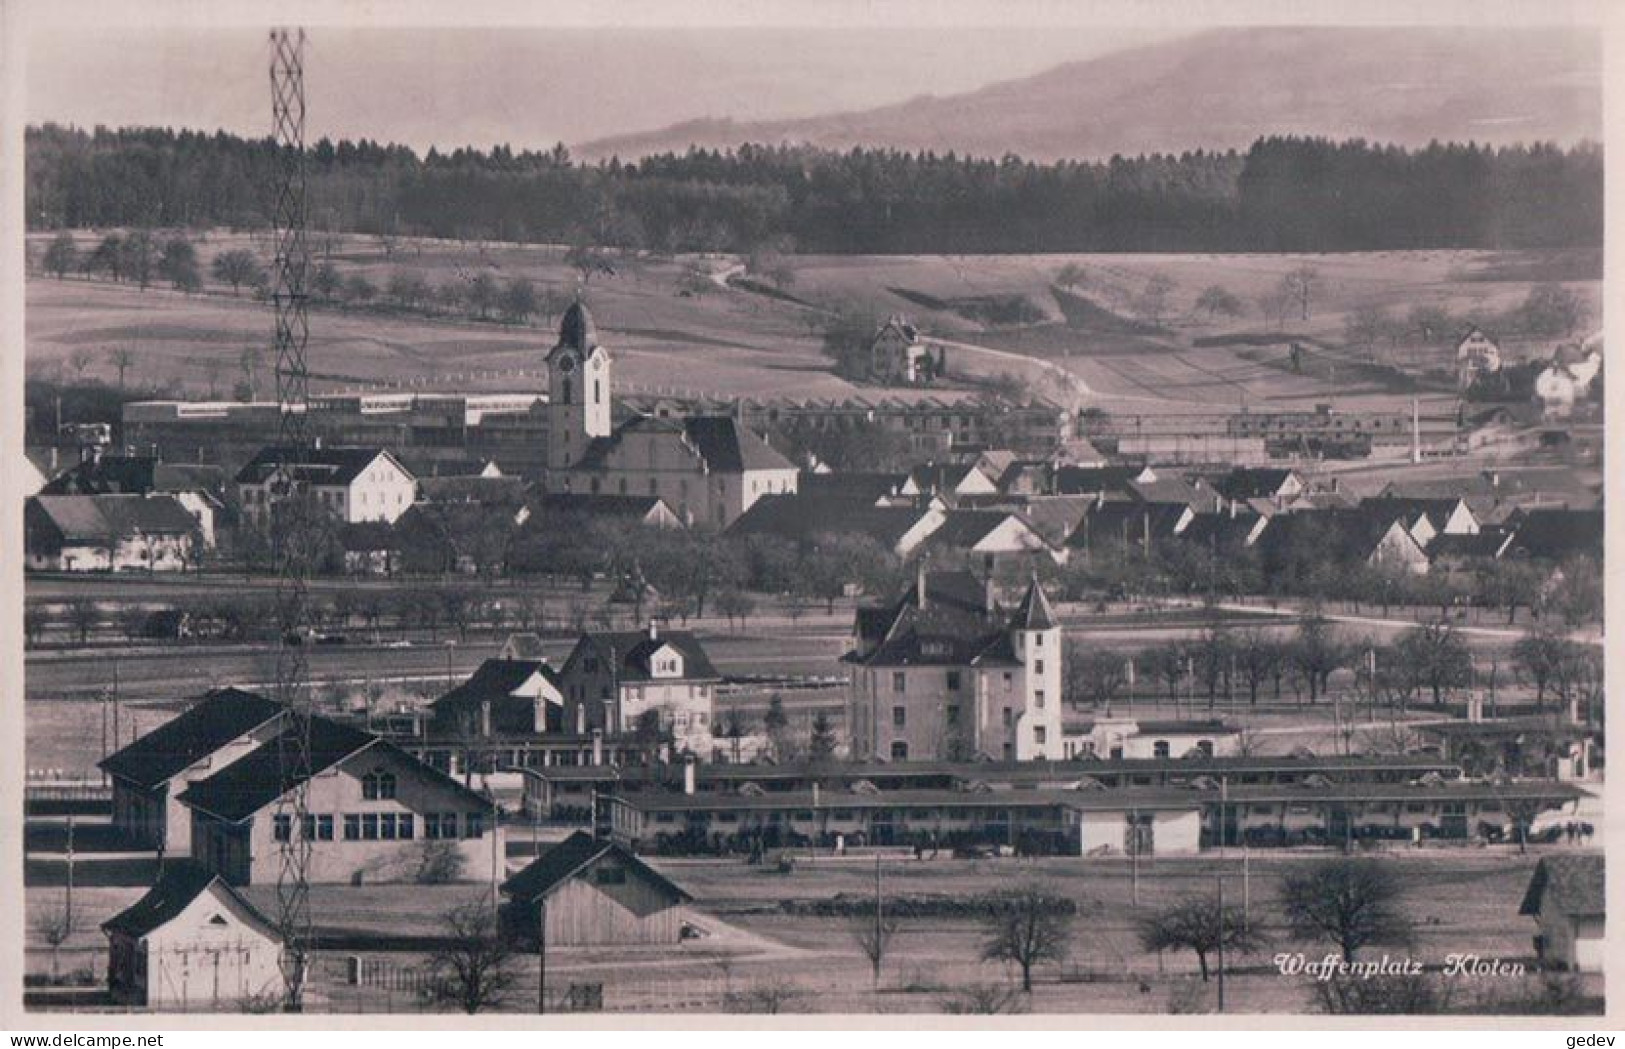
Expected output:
(898, 355)
(1567, 897)
(1565, 380)
(1476, 354)
(193, 944)
(355, 484)
(1127, 737)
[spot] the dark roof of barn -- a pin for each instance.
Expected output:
(866, 488)
(1253, 482)
(633, 648)
(103, 518)
(1577, 883)
(633, 506)
(1557, 534)
(133, 475)
(475, 489)
(216, 719)
(800, 517)
(569, 857)
(495, 679)
(330, 464)
(181, 882)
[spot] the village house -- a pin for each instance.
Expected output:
(502, 697)
(649, 511)
(614, 681)
(945, 673)
(1477, 355)
(898, 356)
(110, 533)
(149, 775)
(191, 944)
(352, 483)
(1278, 485)
(1567, 898)
(995, 542)
(373, 813)
(585, 892)
(1425, 518)
(1566, 380)
(804, 517)
(198, 487)
(950, 481)
(1349, 537)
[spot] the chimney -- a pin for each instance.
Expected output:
(597, 746)
(485, 718)
(1475, 707)
(581, 719)
(688, 775)
(654, 631)
(919, 583)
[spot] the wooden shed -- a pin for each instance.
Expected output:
(192, 943)
(594, 893)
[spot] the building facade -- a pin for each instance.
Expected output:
(614, 681)
(353, 484)
(945, 674)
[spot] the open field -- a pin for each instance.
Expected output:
(673, 331)
(1462, 901)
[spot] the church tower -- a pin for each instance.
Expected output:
(578, 387)
(1035, 634)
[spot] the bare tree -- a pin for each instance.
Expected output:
(1349, 902)
(1199, 925)
(121, 359)
(874, 936)
(1299, 286)
(1026, 929)
(474, 967)
(55, 926)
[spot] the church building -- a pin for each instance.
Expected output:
(708, 468)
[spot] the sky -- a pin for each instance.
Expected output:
(530, 87)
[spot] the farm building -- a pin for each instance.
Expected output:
(150, 774)
(1130, 738)
(517, 696)
(1567, 897)
(192, 943)
(110, 533)
(366, 802)
(593, 894)
(1477, 355)
(899, 356)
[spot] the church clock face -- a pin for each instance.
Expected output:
(567, 364)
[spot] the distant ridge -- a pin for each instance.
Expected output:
(1222, 89)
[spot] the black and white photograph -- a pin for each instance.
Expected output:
(967, 512)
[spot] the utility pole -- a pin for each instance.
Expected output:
(878, 905)
(1219, 879)
(68, 904)
(1134, 857)
(541, 957)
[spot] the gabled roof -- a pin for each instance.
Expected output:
(495, 679)
(719, 441)
(217, 718)
(526, 644)
(569, 857)
(1557, 534)
(1091, 480)
(850, 488)
(800, 517)
(133, 475)
(1126, 523)
(963, 529)
(243, 788)
(1576, 883)
(1487, 543)
(632, 648)
(1436, 510)
(1056, 517)
(108, 518)
(956, 627)
(327, 465)
(636, 507)
(1219, 531)
(181, 882)
(1253, 482)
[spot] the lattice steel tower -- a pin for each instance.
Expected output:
(290, 519)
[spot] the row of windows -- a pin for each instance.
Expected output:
(381, 826)
(953, 679)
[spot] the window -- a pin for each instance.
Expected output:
(899, 717)
(1008, 716)
(377, 785)
(898, 681)
(439, 825)
(951, 715)
(474, 825)
(369, 826)
(953, 681)
(1159, 749)
(1038, 667)
(1009, 681)
(899, 751)
(352, 827)
(1038, 699)
(1039, 734)
(386, 826)
(324, 828)
(282, 826)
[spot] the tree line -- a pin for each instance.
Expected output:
(1285, 193)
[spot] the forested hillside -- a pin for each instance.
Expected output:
(1283, 194)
